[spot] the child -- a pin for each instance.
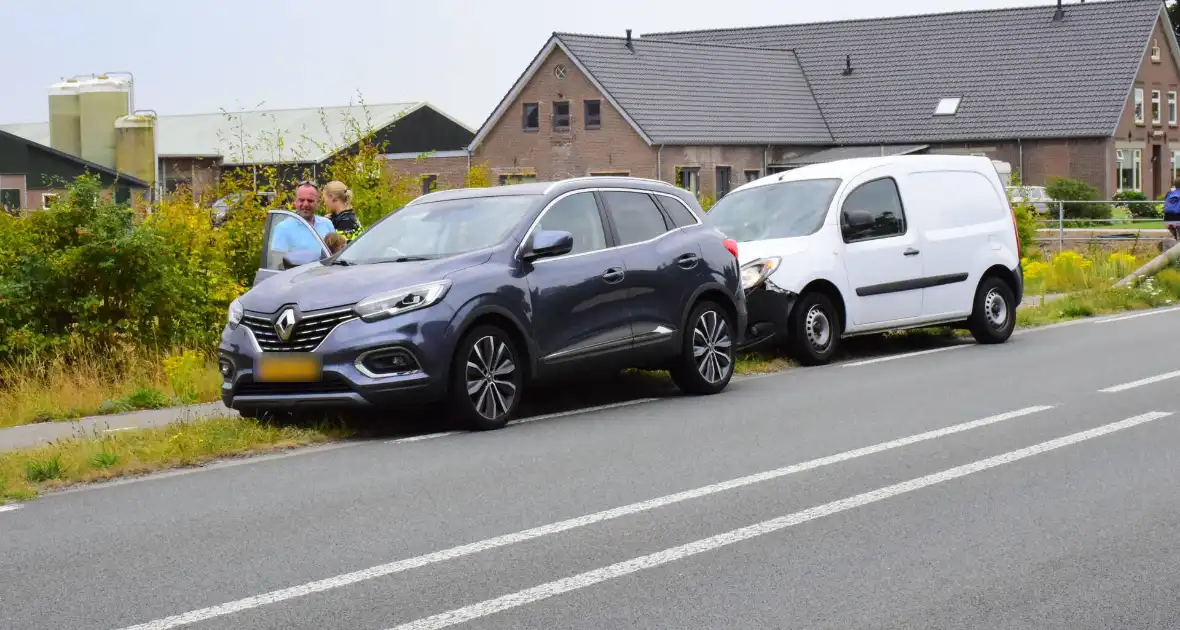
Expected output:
(335, 242)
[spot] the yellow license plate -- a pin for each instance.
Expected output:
(288, 368)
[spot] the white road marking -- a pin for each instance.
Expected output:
(419, 438)
(122, 429)
(554, 528)
(906, 355)
(10, 507)
(575, 412)
(590, 578)
(1136, 316)
(1140, 383)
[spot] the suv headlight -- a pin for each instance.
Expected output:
(755, 271)
(392, 303)
(235, 313)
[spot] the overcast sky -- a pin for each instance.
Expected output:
(461, 55)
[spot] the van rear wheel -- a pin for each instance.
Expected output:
(815, 329)
(994, 316)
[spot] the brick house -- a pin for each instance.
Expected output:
(1085, 90)
(32, 175)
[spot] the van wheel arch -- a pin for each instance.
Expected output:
(832, 292)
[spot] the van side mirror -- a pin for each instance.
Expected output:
(548, 243)
(858, 220)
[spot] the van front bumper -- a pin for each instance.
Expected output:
(768, 314)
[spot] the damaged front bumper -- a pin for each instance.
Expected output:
(769, 308)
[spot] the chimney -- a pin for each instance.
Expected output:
(847, 65)
(1059, 14)
(630, 46)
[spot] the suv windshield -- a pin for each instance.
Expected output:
(438, 229)
(783, 210)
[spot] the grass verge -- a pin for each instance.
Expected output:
(95, 457)
(67, 386)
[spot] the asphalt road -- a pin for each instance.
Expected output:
(1028, 485)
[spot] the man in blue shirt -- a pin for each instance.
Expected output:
(289, 236)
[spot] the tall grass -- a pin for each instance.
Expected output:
(64, 386)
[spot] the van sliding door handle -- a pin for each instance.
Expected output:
(910, 251)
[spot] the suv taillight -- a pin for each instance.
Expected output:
(731, 245)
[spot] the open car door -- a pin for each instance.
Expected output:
(288, 241)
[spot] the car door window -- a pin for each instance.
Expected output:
(289, 233)
(881, 200)
(577, 214)
(681, 215)
(637, 218)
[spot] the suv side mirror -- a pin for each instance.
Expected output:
(301, 257)
(857, 220)
(549, 243)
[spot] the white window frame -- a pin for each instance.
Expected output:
(948, 106)
(1139, 113)
(1172, 107)
(1136, 169)
(46, 199)
(1175, 165)
(1157, 107)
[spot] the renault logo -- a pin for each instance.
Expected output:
(285, 324)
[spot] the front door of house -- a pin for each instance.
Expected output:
(1157, 171)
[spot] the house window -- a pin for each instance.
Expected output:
(689, 178)
(561, 115)
(1155, 107)
(1175, 165)
(723, 186)
(1155, 51)
(1172, 108)
(1139, 105)
(10, 199)
(48, 199)
(429, 182)
(947, 107)
(516, 178)
(752, 175)
(532, 116)
(1130, 165)
(593, 114)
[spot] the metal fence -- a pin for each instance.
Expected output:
(1053, 226)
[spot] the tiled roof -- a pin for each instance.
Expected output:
(704, 94)
(309, 135)
(1020, 74)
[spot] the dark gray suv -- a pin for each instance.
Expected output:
(468, 296)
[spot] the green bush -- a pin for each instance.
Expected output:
(1065, 189)
(1139, 206)
(1026, 225)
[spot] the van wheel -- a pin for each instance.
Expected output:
(705, 365)
(994, 316)
(815, 329)
(487, 379)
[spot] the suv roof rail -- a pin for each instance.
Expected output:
(584, 177)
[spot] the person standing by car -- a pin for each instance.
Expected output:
(288, 236)
(338, 201)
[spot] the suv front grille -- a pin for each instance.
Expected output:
(309, 331)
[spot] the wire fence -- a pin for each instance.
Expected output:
(1066, 222)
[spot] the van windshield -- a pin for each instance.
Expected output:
(782, 210)
(439, 229)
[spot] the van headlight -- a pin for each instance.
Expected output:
(392, 303)
(234, 317)
(755, 271)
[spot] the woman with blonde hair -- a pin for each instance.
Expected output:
(338, 201)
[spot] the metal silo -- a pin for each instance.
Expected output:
(135, 146)
(102, 100)
(65, 123)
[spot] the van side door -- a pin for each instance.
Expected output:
(965, 223)
(287, 233)
(881, 254)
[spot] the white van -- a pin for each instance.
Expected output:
(870, 245)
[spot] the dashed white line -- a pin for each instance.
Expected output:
(1136, 316)
(419, 438)
(894, 357)
(590, 578)
(562, 526)
(1140, 383)
(10, 507)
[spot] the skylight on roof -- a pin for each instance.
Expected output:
(947, 107)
